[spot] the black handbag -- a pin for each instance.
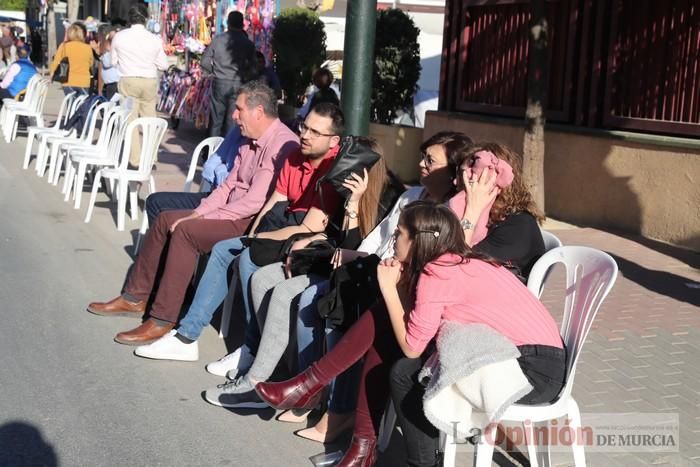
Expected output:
(314, 259)
(60, 74)
(354, 288)
(264, 251)
(353, 156)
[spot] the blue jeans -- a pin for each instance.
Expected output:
(310, 336)
(246, 268)
(213, 288)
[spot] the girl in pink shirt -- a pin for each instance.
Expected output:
(433, 277)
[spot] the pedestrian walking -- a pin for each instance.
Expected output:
(138, 55)
(230, 60)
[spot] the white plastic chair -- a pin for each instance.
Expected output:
(54, 144)
(153, 130)
(212, 144)
(34, 109)
(388, 423)
(10, 103)
(590, 275)
(42, 135)
(104, 153)
(61, 118)
(551, 241)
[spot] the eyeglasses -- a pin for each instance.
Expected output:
(429, 161)
(314, 133)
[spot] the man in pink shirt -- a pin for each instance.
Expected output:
(138, 55)
(182, 235)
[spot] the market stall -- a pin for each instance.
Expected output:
(186, 27)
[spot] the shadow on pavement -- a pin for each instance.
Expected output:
(665, 283)
(22, 444)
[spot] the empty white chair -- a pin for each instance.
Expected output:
(54, 144)
(590, 274)
(127, 180)
(33, 131)
(42, 135)
(104, 153)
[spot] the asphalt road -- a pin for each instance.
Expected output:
(69, 395)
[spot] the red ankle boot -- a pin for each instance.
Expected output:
(361, 453)
(304, 391)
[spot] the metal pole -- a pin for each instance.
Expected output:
(358, 62)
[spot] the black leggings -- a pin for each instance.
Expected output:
(544, 367)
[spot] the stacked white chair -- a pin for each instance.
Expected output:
(128, 180)
(55, 143)
(33, 132)
(104, 153)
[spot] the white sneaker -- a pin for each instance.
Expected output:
(240, 360)
(169, 347)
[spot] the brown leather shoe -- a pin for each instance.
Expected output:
(148, 332)
(118, 307)
(304, 391)
(361, 453)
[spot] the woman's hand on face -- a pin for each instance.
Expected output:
(389, 273)
(480, 191)
(357, 185)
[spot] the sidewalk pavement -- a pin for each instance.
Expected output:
(643, 352)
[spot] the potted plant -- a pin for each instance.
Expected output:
(397, 69)
(299, 46)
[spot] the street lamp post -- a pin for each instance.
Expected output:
(358, 61)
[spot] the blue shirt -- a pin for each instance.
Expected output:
(218, 165)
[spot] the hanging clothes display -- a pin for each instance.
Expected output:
(186, 28)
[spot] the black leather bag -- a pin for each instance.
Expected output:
(354, 289)
(314, 259)
(264, 251)
(60, 74)
(353, 156)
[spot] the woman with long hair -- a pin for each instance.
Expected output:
(433, 277)
(509, 213)
(438, 168)
(511, 220)
(371, 196)
(80, 60)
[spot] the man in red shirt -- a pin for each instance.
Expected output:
(307, 211)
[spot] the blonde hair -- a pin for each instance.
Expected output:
(378, 178)
(75, 33)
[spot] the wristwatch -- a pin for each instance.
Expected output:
(466, 224)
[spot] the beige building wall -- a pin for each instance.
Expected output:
(636, 183)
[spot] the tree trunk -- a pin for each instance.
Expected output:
(73, 6)
(50, 32)
(533, 142)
